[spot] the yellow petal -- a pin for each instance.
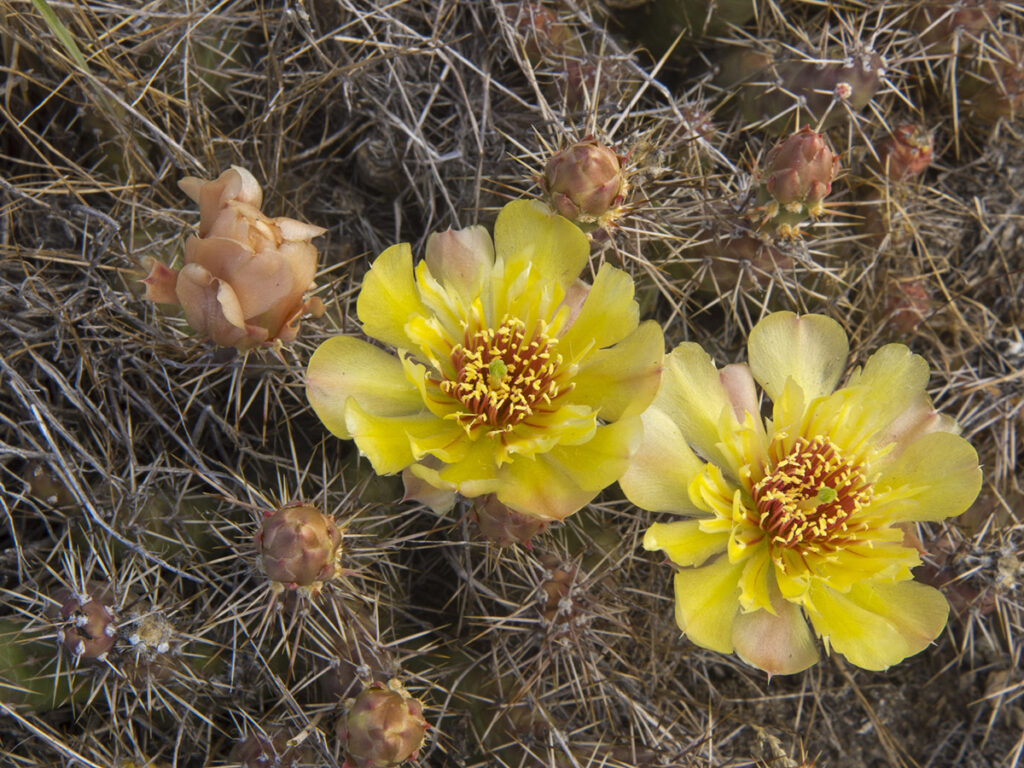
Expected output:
(707, 601)
(757, 579)
(609, 314)
(684, 543)
(877, 625)
(780, 643)
(553, 486)
(693, 397)
(892, 381)
(389, 297)
(935, 477)
(622, 380)
(527, 232)
(476, 471)
(661, 470)
(810, 348)
(599, 462)
(391, 442)
(344, 367)
(541, 488)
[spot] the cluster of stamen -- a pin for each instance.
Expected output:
(807, 499)
(504, 375)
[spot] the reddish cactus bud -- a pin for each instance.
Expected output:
(502, 525)
(906, 153)
(800, 171)
(585, 183)
(88, 630)
(299, 545)
(383, 728)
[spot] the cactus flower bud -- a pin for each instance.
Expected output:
(906, 153)
(299, 546)
(245, 274)
(88, 630)
(800, 171)
(585, 182)
(383, 728)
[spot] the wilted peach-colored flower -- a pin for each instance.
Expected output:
(245, 274)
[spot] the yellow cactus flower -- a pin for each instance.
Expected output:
(512, 376)
(800, 518)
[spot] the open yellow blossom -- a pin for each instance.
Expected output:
(512, 377)
(800, 517)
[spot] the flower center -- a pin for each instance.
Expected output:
(809, 496)
(503, 376)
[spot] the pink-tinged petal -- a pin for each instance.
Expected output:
(916, 421)
(389, 297)
(877, 625)
(738, 384)
(812, 349)
(269, 285)
(236, 184)
(293, 230)
(461, 259)
(684, 543)
(439, 500)
(707, 601)
(553, 486)
(161, 284)
(609, 314)
(692, 396)
(889, 388)
(935, 477)
(622, 381)
(661, 470)
(527, 232)
(211, 306)
(575, 297)
(779, 643)
(342, 368)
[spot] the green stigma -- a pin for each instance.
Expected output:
(497, 369)
(826, 495)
